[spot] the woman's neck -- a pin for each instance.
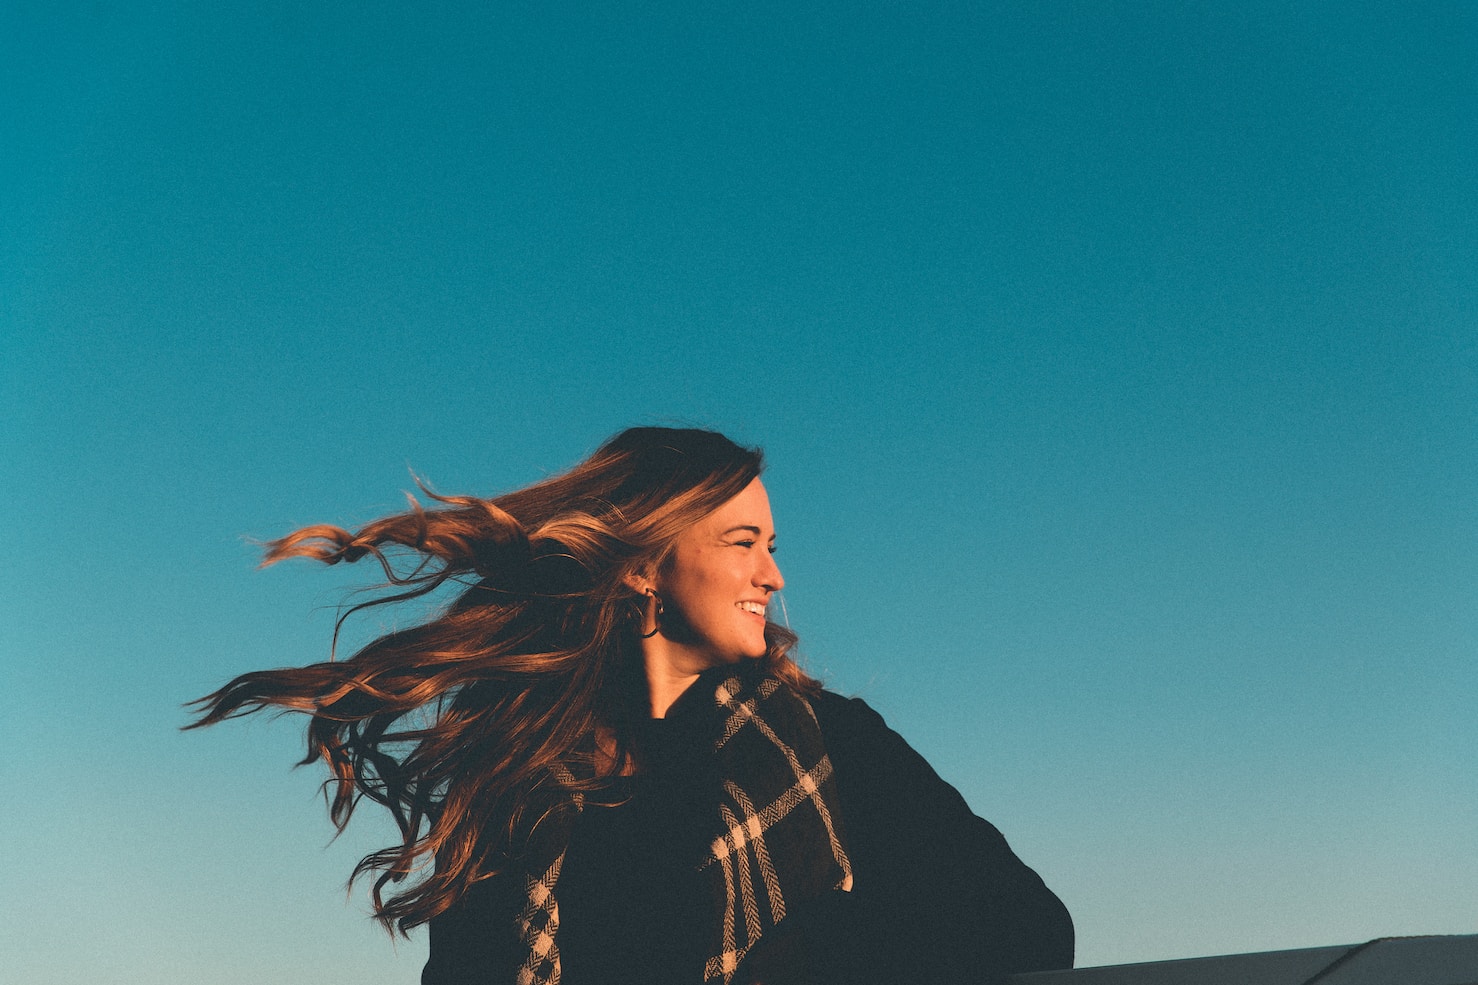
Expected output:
(665, 684)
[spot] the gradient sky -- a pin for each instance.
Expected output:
(1117, 365)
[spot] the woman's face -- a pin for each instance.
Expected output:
(718, 580)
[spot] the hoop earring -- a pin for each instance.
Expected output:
(654, 606)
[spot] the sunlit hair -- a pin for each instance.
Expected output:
(471, 726)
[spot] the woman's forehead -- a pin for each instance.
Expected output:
(750, 507)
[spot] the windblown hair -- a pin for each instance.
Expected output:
(472, 726)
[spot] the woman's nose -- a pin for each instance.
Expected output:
(769, 575)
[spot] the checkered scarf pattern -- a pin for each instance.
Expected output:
(778, 837)
(538, 920)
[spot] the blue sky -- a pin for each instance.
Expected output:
(1117, 366)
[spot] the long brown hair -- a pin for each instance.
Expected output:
(472, 725)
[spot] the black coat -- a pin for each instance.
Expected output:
(938, 895)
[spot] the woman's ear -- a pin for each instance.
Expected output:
(638, 581)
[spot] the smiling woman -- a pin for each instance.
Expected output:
(606, 767)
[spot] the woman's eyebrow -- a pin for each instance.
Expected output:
(747, 528)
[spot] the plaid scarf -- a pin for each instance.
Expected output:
(777, 836)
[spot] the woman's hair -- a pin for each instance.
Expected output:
(473, 725)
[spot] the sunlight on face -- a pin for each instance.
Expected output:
(718, 581)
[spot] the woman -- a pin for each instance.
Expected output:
(606, 768)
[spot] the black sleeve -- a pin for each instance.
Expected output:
(938, 895)
(473, 942)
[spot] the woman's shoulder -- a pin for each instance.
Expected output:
(837, 709)
(864, 749)
(887, 780)
(851, 721)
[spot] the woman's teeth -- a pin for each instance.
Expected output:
(754, 607)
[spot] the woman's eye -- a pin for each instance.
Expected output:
(772, 548)
(744, 543)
